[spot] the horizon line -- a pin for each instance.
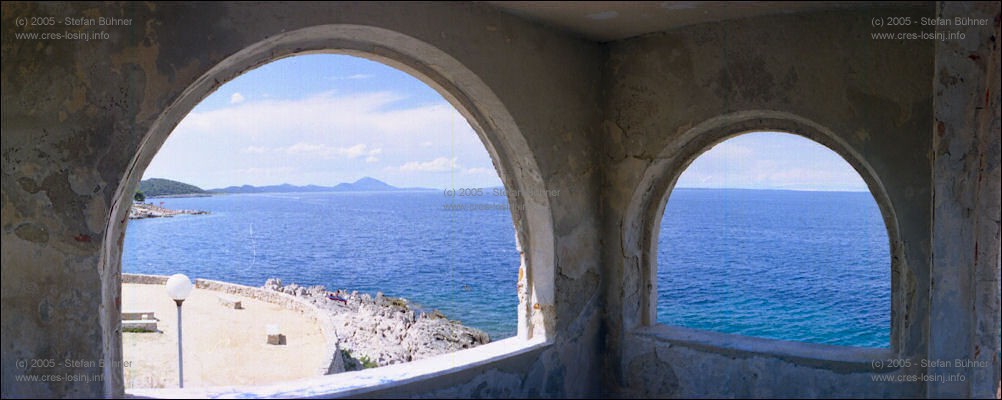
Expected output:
(865, 190)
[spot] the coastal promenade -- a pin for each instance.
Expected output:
(222, 346)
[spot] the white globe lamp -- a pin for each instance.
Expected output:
(178, 288)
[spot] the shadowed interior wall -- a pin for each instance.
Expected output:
(674, 94)
(77, 114)
(608, 125)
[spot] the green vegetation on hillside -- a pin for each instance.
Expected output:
(356, 364)
(156, 187)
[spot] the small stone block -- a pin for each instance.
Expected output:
(278, 339)
(144, 325)
(138, 315)
(274, 337)
(230, 302)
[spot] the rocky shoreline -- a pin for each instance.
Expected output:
(147, 210)
(382, 330)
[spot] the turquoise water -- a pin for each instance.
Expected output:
(806, 266)
(463, 263)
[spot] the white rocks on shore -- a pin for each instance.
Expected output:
(385, 330)
(146, 210)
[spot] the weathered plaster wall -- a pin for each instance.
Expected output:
(966, 195)
(674, 94)
(82, 119)
(609, 126)
(520, 376)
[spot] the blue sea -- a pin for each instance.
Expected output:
(809, 266)
(791, 265)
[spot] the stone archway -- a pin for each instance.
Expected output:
(486, 113)
(642, 218)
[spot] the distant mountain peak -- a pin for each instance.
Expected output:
(365, 184)
(368, 183)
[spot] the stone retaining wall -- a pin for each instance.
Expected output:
(331, 365)
(143, 279)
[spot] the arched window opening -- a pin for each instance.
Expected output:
(775, 236)
(358, 187)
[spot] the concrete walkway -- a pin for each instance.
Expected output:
(222, 346)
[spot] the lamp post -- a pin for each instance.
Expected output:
(178, 288)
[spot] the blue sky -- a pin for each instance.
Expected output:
(324, 119)
(771, 160)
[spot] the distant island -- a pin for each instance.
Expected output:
(365, 184)
(157, 187)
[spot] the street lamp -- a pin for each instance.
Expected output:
(178, 288)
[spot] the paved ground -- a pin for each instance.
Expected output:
(222, 347)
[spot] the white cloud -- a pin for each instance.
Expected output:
(325, 118)
(353, 77)
(478, 170)
(318, 150)
(324, 134)
(326, 151)
(255, 150)
(267, 171)
(727, 151)
(340, 121)
(440, 164)
(237, 98)
(372, 155)
(771, 161)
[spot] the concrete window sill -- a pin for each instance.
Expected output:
(843, 358)
(357, 383)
